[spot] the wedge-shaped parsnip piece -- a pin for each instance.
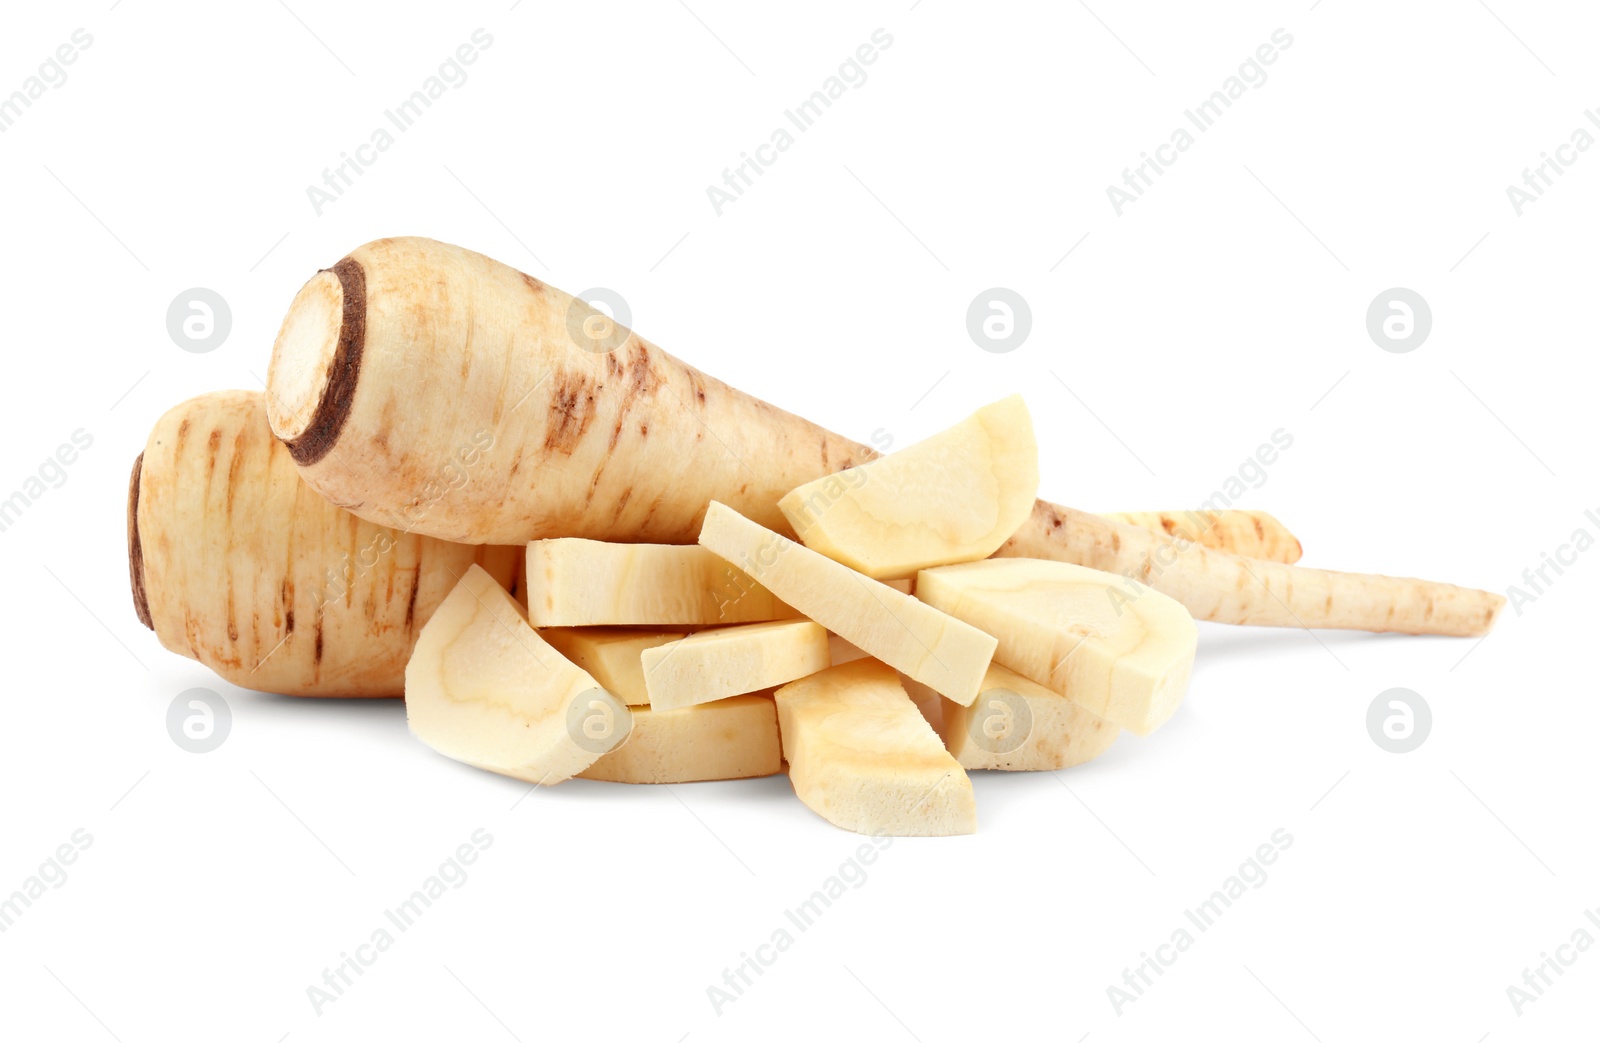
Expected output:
(954, 497)
(862, 756)
(943, 653)
(611, 655)
(1118, 649)
(715, 664)
(576, 583)
(729, 739)
(484, 688)
(1017, 725)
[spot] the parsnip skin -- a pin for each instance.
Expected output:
(1249, 534)
(1224, 588)
(409, 350)
(631, 444)
(230, 555)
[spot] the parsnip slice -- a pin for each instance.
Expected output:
(954, 497)
(1115, 647)
(1017, 725)
(611, 655)
(943, 653)
(726, 661)
(484, 688)
(733, 738)
(862, 756)
(575, 582)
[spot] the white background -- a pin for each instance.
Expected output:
(1228, 302)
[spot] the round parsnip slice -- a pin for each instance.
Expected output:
(485, 689)
(954, 497)
(1115, 647)
(1017, 725)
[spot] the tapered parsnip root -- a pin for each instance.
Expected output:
(408, 351)
(1249, 534)
(410, 356)
(237, 563)
(1225, 588)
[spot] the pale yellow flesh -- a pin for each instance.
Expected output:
(248, 570)
(1249, 534)
(576, 583)
(1118, 649)
(942, 652)
(954, 497)
(733, 738)
(485, 689)
(727, 661)
(611, 655)
(1017, 725)
(862, 756)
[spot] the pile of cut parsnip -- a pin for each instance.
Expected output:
(575, 555)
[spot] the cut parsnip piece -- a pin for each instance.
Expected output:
(954, 497)
(726, 661)
(730, 739)
(1113, 646)
(611, 655)
(484, 688)
(943, 653)
(1017, 725)
(862, 756)
(577, 583)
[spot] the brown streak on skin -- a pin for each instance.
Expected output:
(213, 442)
(318, 659)
(1261, 533)
(233, 468)
(533, 284)
(1169, 525)
(1116, 542)
(571, 413)
(141, 600)
(411, 602)
(344, 370)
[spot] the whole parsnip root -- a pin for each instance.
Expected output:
(409, 350)
(237, 563)
(1249, 534)
(1225, 588)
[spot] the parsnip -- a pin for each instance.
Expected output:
(862, 756)
(485, 689)
(1120, 654)
(573, 582)
(1225, 588)
(956, 496)
(237, 563)
(942, 652)
(611, 655)
(1249, 534)
(727, 661)
(392, 363)
(1017, 725)
(733, 738)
